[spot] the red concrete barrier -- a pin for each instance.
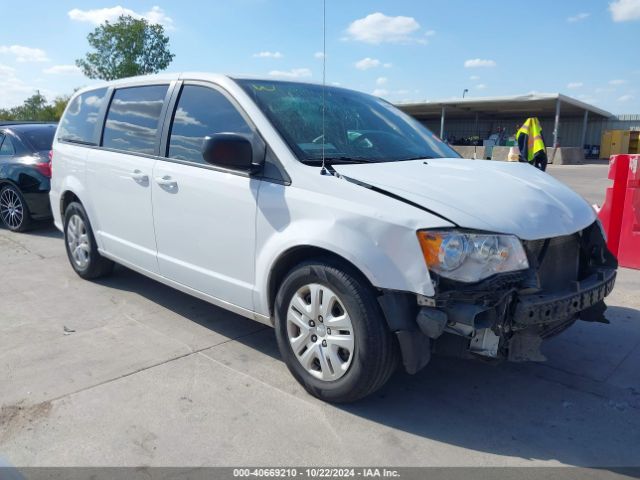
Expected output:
(629, 246)
(611, 212)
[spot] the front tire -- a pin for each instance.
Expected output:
(331, 332)
(81, 246)
(14, 211)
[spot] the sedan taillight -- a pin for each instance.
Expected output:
(44, 168)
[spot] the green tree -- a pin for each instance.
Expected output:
(126, 48)
(36, 108)
(58, 106)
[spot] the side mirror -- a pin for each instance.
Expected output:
(231, 150)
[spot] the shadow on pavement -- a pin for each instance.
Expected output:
(511, 410)
(40, 228)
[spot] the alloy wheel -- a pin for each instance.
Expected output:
(11, 208)
(320, 332)
(78, 241)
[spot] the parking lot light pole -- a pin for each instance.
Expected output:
(442, 122)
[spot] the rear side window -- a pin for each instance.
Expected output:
(79, 121)
(133, 117)
(40, 139)
(7, 146)
(201, 111)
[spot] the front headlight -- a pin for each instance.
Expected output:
(471, 257)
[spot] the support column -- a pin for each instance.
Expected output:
(584, 128)
(556, 125)
(442, 122)
(475, 149)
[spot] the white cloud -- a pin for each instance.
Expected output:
(429, 33)
(318, 55)
(383, 92)
(367, 63)
(578, 18)
(293, 73)
(267, 54)
(625, 98)
(382, 80)
(474, 77)
(6, 71)
(625, 10)
(62, 69)
(377, 28)
(481, 86)
(479, 63)
(575, 85)
(617, 82)
(101, 15)
(387, 65)
(25, 54)
(13, 89)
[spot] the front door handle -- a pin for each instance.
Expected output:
(166, 182)
(139, 177)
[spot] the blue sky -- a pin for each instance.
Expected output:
(401, 50)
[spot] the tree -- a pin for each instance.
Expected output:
(58, 106)
(126, 48)
(36, 108)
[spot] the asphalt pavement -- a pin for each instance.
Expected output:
(128, 372)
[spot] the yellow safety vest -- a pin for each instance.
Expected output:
(533, 129)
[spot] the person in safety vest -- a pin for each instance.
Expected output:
(531, 144)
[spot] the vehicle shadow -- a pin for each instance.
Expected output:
(40, 228)
(507, 410)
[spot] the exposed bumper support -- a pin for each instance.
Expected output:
(507, 316)
(544, 309)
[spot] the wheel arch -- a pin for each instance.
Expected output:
(7, 181)
(295, 255)
(67, 197)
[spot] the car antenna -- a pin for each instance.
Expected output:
(323, 170)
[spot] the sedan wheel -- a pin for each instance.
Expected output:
(320, 332)
(13, 211)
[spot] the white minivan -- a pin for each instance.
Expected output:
(328, 213)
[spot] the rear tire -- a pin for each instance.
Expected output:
(353, 360)
(14, 211)
(81, 246)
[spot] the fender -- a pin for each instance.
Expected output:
(69, 171)
(389, 256)
(73, 184)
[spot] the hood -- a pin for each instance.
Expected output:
(501, 197)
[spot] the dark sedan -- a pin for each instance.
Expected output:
(25, 172)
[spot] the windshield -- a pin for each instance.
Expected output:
(357, 127)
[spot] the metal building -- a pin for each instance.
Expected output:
(565, 121)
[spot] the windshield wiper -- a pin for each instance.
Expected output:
(343, 160)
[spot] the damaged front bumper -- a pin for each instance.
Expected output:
(509, 315)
